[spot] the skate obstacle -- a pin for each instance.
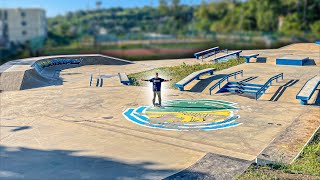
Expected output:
(248, 57)
(195, 75)
(292, 60)
(99, 79)
(225, 78)
(124, 78)
(45, 71)
(242, 87)
(308, 89)
(266, 85)
(227, 56)
(207, 53)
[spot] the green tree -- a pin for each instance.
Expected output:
(267, 14)
(65, 29)
(175, 5)
(247, 20)
(315, 28)
(292, 25)
(209, 16)
(163, 7)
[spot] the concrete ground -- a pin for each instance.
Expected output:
(75, 131)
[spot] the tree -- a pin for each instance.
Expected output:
(208, 16)
(65, 29)
(315, 28)
(292, 25)
(163, 7)
(175, 4)
(267, 14)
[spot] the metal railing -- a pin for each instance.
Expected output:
(266, 85)
(225, 78)
(206, 52)
(236, 53)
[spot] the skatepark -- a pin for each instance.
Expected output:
(57, 120)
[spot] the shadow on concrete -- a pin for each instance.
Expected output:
(65, 74)
(261, 60)
(17, 128)
(276, 96)
(310, 62)
(203, 83)
(250, 96)
(27, 163)
(249, 79)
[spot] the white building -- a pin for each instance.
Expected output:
(22, 25)
(1, 32)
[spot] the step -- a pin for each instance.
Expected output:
(248, 79)
(256, 85)
(248, 92)
(233, 89)
(246, 84)
(236, 90)
(244, 87)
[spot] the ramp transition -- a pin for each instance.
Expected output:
(45, 71)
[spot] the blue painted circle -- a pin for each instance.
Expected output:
(186, 115)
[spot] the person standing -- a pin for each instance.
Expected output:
(156, 87)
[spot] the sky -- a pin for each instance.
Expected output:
(56, 7)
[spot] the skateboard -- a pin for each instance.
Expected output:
(157, 105)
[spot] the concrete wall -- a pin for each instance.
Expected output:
(11, 80)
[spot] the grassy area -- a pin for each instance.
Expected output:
(176, 73)
(307, 166)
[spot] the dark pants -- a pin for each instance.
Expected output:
(156, 93)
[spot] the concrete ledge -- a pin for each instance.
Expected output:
(193, 76)
(308, 89)
(124, 78)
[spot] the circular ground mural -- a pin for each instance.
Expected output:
(186, 115)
